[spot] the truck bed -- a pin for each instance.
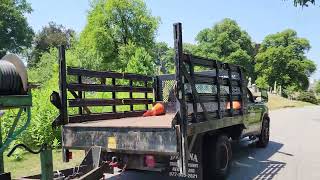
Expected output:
(164, 121)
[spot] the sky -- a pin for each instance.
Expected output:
(258, 18)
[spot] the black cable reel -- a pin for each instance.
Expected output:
(13, 76)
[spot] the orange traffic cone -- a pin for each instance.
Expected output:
(236, 105)
(156, 110)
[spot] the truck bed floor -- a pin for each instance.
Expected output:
(164, 121)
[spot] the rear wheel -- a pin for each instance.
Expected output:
(264, 135)
(217, 156)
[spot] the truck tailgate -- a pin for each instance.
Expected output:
(154, 134)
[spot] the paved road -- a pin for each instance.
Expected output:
(293, 152)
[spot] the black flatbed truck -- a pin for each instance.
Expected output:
(192, 141)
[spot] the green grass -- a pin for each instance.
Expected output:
(30, 164)
(277, 102)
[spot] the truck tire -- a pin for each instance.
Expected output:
(217, 158)
(264, 135)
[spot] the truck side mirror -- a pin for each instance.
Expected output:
(264, 95)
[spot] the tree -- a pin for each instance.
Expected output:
(15, 33)
(190, 48)
(164, 58)
(52, 35)
(226, 41)
(304, 2)
(113, 24)
(282, 59)
(317, 87)
(140, 60)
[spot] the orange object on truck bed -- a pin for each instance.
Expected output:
(156, 110)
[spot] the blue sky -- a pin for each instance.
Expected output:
(258, 18)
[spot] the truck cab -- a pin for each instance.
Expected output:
(257, 111)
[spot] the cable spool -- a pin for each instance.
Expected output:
(13, 76)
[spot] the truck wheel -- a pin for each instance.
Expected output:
(218, 158)
(264, 135)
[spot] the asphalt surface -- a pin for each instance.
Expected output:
(292, 154)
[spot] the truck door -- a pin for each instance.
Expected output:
(253, 118)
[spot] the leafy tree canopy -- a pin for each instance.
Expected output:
(15, 33)
(191, 48)
(164, 58)
(52, 35)
(304, 2)
(116, 23)
(317, 87)
(282, 59)
(139, 60)
(227, 42)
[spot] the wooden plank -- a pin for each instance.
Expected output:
(204, 79)
(230, 90)
(218, 92)
(145, 94)
(232, 67)
(114, 109)
(184, 152)
(80, 94)
(195, 98)
(107, 74)
(156, 89)
(63, 85)
(107, 102)
(106, 88)
(207, 79)
(209, 63)
(213, 98)
(212, 116)
(199, 61)
(242, 91)
(164, 77)
(103, 116)
(130, 94)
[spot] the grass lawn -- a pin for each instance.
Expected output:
(277, 102)
(30, 164)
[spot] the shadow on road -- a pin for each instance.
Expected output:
(250, 162)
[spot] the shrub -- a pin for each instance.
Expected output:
(307, 97)
(290, 92)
